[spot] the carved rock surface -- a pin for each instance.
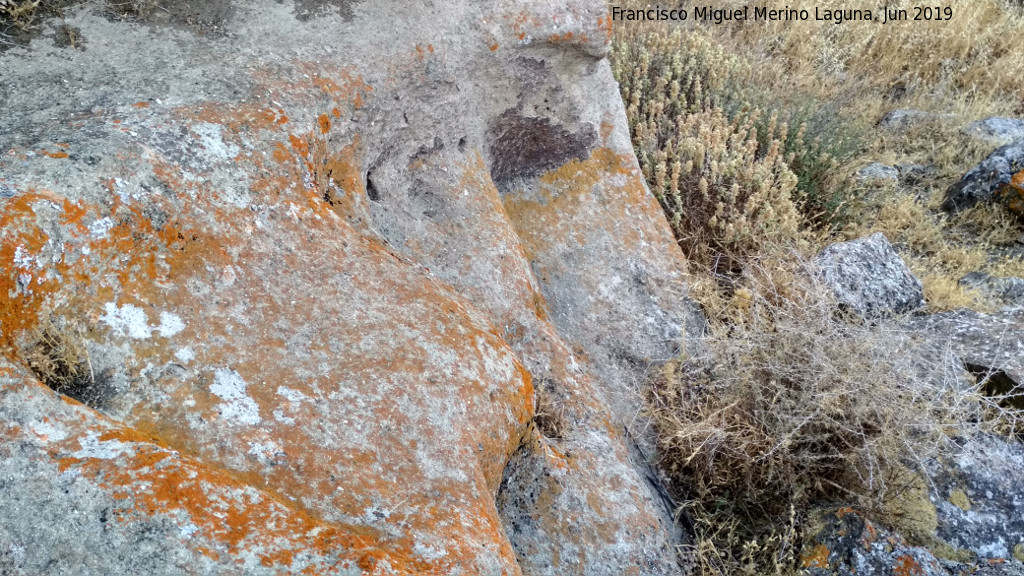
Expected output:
(308, 266)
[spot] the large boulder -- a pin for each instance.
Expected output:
(1000, 177)
(303, 271)
(869, 278)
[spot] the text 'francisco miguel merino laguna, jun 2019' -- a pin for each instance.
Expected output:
(763, 13)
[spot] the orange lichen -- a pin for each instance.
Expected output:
(153, 480)
(549, 218)
(141, 105)
(324, 123)
(817, 557)
(870, 535)
(24, 286)
(906, 565)
(604, 24)
(1013, 194)
(200, 241)
(54, 154)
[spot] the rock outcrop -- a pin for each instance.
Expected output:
(869, 277)
(979, 500)
(991, 345)
(878, 173)
(1000, 177)
(306, 273)
(844, 543)
(998, 292)
(996, 130)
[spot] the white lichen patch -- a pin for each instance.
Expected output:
(23, 259)
(128, 320)
(290, 394)
(213, 142)
(188, 530)
(132, 321)
(48, 431)
(428, 553)
(93, 447)
(266, 453)
(100, 228)
(237, 407)
(185, 355)
(170, 324)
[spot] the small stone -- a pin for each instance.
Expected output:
(869, 277)
(878, 172)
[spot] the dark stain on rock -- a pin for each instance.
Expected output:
(306, 9)
(526, 147)
(425, 151)
(69, 37)
(203, 17)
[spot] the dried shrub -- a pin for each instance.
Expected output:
(58, 357)
(21, 13)
(549, 415)
(800, 405)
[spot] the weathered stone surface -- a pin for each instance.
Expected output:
(991, 345)
(869, 277)
(877, 172)
(999, 292)
(320, 261)
(904, 118)
(911, 173)
(1000, 177)
(996, 131)
(979, 500)
(844, 542)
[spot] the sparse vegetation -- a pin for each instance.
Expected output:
(800, 406)
(549, 416)
(58, 357)
(749, 135)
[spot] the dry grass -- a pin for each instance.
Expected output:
(58, 357)
(549, 415)
(21, 13)
(800, 405)
(836, 82)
